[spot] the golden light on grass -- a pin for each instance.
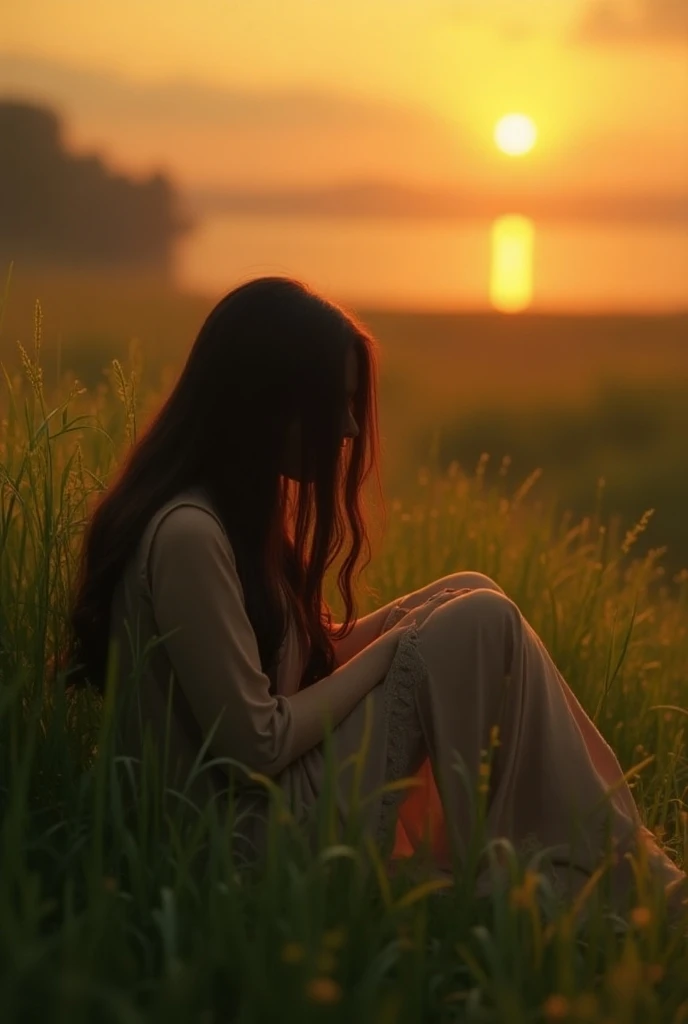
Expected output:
(292, 953)
(324, 991)
(515, 134)
(641, 917)
(556, 1007)
(511, 277)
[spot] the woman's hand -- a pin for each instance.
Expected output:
(416, 616)
(374, 661)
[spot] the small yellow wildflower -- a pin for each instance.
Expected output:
(641, 917)
(292, 953)
(522, 895)
(324, 991)
(556, 1008)
(494, 736)
(335, 938)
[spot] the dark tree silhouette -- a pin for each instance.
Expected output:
(60, 208)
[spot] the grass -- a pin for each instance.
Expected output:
(119, 902)
(630, 435)
(581, 397)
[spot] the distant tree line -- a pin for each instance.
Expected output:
(60, 208)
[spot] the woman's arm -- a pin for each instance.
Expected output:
(367, 628)
(199, 610)
(334, 697)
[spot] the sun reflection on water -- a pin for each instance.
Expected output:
(511, 276)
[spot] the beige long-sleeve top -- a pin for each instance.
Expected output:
(198, 603)
(183, 586)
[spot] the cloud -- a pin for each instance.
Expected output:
(513, 20)
(205, 133)
(361, 199)
(634, 21)
(80, 91)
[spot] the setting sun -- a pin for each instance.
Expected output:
(515, 134)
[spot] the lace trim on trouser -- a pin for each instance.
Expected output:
(405, 739)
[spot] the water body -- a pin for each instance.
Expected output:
(511, 264)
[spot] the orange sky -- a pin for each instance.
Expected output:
(267, 93)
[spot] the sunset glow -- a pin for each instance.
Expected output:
(511, 278)
(515, 134)
(369, 145)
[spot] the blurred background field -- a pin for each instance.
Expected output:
(582, 397)
(499, 190)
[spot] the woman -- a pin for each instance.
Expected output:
(205, 562)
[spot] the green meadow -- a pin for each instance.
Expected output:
(547, 452)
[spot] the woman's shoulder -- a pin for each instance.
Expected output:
(188, 512)
(188, 520)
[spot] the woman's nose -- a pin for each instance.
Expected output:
(351, 429)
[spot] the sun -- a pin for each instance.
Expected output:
(515, 134)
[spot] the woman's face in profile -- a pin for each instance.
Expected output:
(292, 449)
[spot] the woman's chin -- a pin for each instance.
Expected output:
(297, 475)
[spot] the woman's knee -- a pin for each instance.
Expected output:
(474, 580)
(483, 609)
(455, 581)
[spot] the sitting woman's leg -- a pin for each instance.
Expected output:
(455, 581)
(554, 778)
(368, 627)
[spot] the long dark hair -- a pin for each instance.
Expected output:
(270, 351)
